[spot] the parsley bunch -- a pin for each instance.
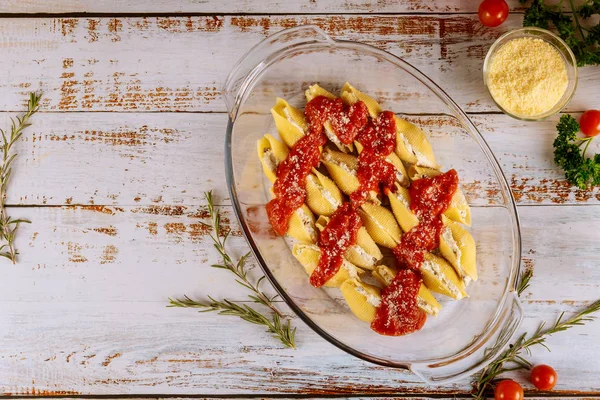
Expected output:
(584, 41)
(579, 170)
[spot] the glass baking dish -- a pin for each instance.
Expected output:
(467, 334)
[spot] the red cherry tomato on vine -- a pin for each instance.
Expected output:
(493, 12)
(543, 377)
(590, 123)
(508, 390)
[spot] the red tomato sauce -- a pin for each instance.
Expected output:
(429, 197)
(290, 185)
(378, 139)
(337, 237)
(399, 313)
(432, 196)
(349, 121)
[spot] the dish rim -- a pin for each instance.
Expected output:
(492, 327)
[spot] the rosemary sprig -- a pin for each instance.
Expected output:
(524, 282)
(238, 269)
(282, 331)
(514, 354)
(9, 226)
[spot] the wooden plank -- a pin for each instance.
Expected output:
(104, 159)
(83, 312)
(246, 6)
(180, 63)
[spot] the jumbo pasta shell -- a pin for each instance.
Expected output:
(401, 174)
(363, 299)
(417, 172)
(342, 168)
(322, 195)
(302, 225)
(289, 121)
(425, 299)
(351, 95)
(458, 210)
(427, 302)
(271, 152)
(330, 133)
(440, 277)
(364, 253)
(316, 90)
(412, 145)
(384, 274)
(458, 247)
(400, 204)
(380, 224)
(308, 255)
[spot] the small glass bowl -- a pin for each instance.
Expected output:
(550, 38)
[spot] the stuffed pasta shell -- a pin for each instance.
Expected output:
(314, 91)
(440, 277)
(412, 145)
(308, 255)
(400, 204)
(271, 152)
(342, 168)
(459, 209)
(426, 301)
(351, 95)
(289, 121)
(392, 158)
(322, 194)
(302, 225)
(381, 225)
(458, 247)
(364, 253)
(362, 298)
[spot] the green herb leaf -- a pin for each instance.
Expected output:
(579, 170)
(18, 124)
(585, 42)
(281, 330)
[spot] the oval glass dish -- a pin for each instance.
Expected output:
(467, 334)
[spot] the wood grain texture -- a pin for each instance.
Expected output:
(172, 158)
(245, 6)
(180, 63)
(93, 321)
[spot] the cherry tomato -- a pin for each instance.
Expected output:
(543, 377)
(508, 390)
(590, 123)
(493, 12)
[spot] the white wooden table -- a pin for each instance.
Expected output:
(130, 136)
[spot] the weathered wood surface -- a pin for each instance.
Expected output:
(180, 63)
(108, 159)
(84, 310)
(115, 196)
(245, 6)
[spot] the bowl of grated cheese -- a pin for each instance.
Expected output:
(530, 73)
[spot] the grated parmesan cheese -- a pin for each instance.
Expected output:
(527, 76)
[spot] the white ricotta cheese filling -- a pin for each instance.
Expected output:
(375, 301)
